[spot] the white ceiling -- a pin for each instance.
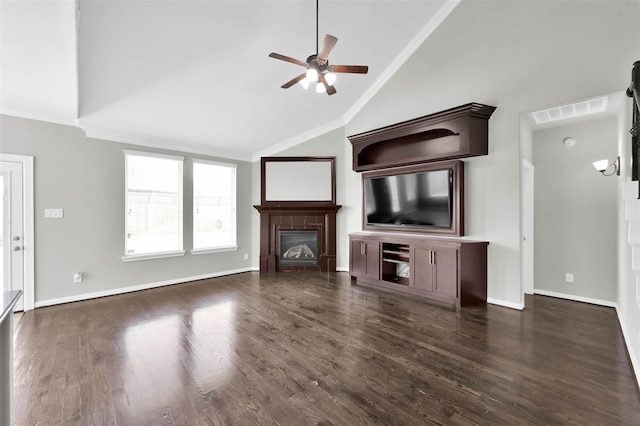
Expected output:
(195, 75)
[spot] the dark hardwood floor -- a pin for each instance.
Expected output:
(312, 349)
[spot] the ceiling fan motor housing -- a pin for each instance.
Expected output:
(321, 66)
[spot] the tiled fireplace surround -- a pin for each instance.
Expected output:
(320, 217)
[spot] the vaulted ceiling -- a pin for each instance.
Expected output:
(195, 75)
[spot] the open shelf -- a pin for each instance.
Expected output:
(395, 250)
(395, 263)
(459, 132)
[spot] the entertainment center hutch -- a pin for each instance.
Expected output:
(427, 261)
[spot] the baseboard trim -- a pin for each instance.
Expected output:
(635, 362)
(575, 298)
(504, 303)
(341, 269)
(131, 289)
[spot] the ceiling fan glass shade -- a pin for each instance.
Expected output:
(312, 74)
(330, 77)
(305, 83)
(329, 88)
(320, 88)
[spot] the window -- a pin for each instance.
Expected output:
(153, 206)
(214, 206)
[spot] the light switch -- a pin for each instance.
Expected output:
(54, 213)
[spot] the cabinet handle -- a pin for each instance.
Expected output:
(363, 248)
(432, 257)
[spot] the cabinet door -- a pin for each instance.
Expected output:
(372, 253)
(365, 259)
(422, 269)
(446, 271)
(358, 260)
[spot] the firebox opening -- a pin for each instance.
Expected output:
(298, 247)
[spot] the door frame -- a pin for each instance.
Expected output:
(28, 239)
(528, 231)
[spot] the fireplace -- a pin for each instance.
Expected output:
(298, 247)
(297, 220)
(316, 223)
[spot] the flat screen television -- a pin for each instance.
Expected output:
(423, 199)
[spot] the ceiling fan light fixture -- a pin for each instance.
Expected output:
(305, 83)
(330, 77)
(312, 75)
(317, 66)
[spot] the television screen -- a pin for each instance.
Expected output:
(422, 199)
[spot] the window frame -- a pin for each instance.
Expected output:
(180, 219)
(221, 248)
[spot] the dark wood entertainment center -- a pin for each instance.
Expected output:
(449, 271)
(417, 259)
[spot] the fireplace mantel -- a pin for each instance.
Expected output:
(297, 207)
(307, 215)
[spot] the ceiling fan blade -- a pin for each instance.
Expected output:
(328, 44)
(294, 81)
(354, 69)
(287, 59)
(330, 89)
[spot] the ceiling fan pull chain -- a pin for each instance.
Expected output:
(317, 29)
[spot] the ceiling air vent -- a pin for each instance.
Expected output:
(573, 110)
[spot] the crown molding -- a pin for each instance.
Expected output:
(49, 118)
(404, 55)
(191, 147)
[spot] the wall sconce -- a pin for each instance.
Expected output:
(603, 165)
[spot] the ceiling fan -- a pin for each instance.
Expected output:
(318, 69)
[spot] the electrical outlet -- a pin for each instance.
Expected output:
(246, 256)
(568, 278)
(54, 213)
(77, 277)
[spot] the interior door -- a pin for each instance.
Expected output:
(12, 229)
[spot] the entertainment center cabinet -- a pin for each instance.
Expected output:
(446, 270)
(406, 246)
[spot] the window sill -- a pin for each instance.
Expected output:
(214, 250)
(149, 256)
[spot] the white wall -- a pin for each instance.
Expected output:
(85, 177)
(628, 301)
(576, 212)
